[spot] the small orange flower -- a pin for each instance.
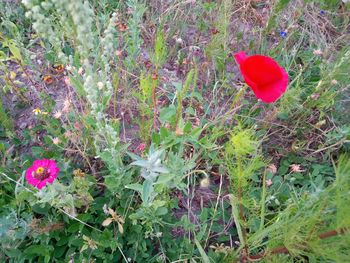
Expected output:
(48, 79)
(122, 27)
(58, 68)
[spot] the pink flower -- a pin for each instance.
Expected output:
(42, 172)
(141, 147)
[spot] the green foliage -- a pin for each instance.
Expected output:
(160, 49)
(217, 49)
(279, 6)
(164, 155)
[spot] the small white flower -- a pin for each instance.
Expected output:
(56, 141)
(100, 85)
(179, 41)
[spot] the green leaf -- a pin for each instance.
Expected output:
(147, 189)
(38, 250)
(168, 114)
(204, 256)
(15, 50)
(136, 187)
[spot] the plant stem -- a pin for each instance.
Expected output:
(241, 212)
(262, 204)
(154, 99)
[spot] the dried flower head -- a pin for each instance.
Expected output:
(78, 173)
(48, 79)
(272, 168)
(59, 68)
(114, 218)
(268, 182)
(296, 168)
(318, 52)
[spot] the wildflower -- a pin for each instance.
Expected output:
(205, 182)
(80, 71)
(322, 12)
(59, 68)
(315, 96)
(66, 105)
(42, 172)
(100, 85)
(296, 168)
(268, 182)
(118, 53)
(57, 114)
(78, 173)
(318, 52)
(38, 111)
(272, 168)
(334, 82)
(154, 76)
(56, 141)
(78, 126)
(66, 80)
(69, 68)
(263, 75)
(179, 41)
(179, 131)
(48, 79)
(141, 147)
(283, 34)
(122, 27)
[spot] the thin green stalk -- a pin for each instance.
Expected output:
(262, 203)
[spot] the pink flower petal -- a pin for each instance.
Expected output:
(50, 167)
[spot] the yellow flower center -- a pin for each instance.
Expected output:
(40, 170)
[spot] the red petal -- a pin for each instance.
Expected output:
(240, 57)
(261, 70)
(273, 91)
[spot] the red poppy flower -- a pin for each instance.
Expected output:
(267, 79)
